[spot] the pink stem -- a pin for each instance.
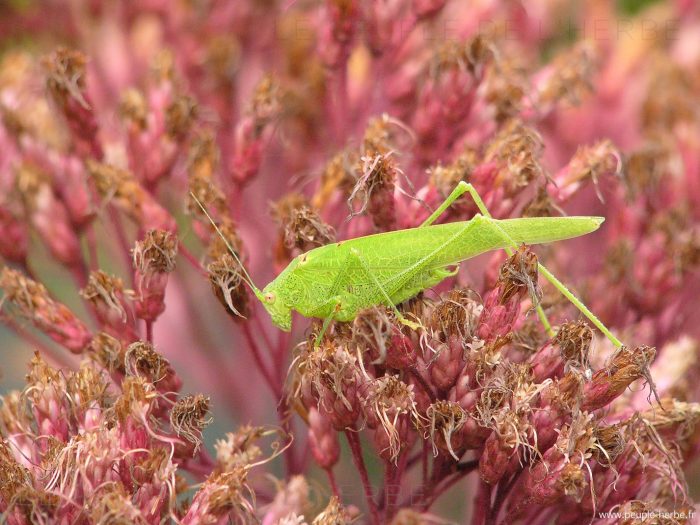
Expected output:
(261, 329)
(333, 482)
(358, 460)
(447, 482)
(92, 246)
(423, 384)
(257, 356)
(502, 494)
(482, 505)
(149, 331)
(393, 484)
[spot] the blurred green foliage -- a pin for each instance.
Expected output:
(632, 7)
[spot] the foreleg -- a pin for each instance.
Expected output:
(333, 300)
(337, 305)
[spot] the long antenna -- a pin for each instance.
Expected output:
(247, 278)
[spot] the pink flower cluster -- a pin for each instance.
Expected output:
(147, 149)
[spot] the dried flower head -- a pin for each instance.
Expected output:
(456, 315)
(626, 366)
(179, 116)
(66, 75)
(105, 292)
(517, 149)
(446, 419)
(133, 108)
(519, 274)
(574, 340)
(305, 230)
(390, 403)
(227, 283)
(330, 377)
(154, 258)
(189, 417)
(156, 253)
(121, 186)
(142, 360)
(335, 514)
(240, 448)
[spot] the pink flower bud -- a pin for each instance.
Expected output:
(497, 319)
(323, 440)
(48, 215)
(625, 367)
(337, 30)
(32, 301)
(589, 163)
(427, 8)
(495, 458)
(14, 237)
(254, 131)
(547, 484)
(518, 278)
(65, 71)
(154, 259)
(123, 188)
(447, 364)
(546, 362)
(106, 294)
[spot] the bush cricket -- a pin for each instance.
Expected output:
(336, 281)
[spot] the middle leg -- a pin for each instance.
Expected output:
(356, 255)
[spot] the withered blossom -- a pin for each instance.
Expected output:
(188, 417)
(154, 259)
(31, 300)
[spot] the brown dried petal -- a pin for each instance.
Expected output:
(189, 417)
(156, 253)
(225, 277)
(104, 290)
(518, 276)
(625, 367)
(65, 70)
(574, 340)
(180, 115)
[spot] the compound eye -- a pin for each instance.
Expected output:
(269, 297)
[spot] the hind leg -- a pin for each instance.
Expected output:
(465, 187)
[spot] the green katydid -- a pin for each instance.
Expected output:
(336, 281)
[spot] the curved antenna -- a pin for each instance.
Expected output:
(247, 279)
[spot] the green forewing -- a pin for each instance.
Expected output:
(406, 261)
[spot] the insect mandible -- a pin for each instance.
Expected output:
(336, 281)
